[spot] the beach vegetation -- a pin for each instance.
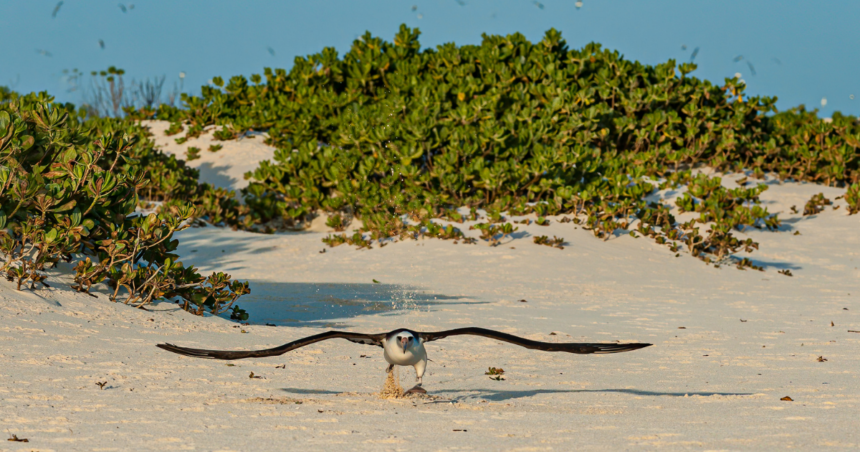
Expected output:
(389, 129)
(70, 188)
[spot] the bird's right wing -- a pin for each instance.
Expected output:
(359, 338)
(579, 348)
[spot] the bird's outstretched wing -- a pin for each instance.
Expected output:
(580, 348)
(359, 338)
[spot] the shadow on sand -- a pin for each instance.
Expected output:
(494, 395)
(327, 305)
(497, 395)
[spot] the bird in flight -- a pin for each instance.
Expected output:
(693, 55)
(752, 68)
(404, 347)
(56, 10)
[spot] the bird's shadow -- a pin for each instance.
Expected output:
(496, 395)
(310, 391)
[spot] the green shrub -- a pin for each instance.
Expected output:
(69, 189)
(508, 125)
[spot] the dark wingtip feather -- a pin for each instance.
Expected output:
(185, 351)
(618, 348)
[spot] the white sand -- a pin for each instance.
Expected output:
(223, 168)
(714, 385)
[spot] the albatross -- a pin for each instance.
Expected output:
(405, 347)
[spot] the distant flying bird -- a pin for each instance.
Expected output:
(43, 52)
(403, 347)
(414, 7)
(101, 44)
(776, 60)
(578, 4)
(538, 4)
(460, 2)
(693, 55)
(56, 10)
(752, 69)
(122, 7)
(271, 51)
(738, 58)
(683, 47)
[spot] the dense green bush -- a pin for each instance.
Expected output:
(69, 189)
(513, 126)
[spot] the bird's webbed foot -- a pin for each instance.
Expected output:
(416, 390)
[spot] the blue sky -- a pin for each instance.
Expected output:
(802, 51)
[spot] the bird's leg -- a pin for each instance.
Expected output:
(390, 368)
(419, 373)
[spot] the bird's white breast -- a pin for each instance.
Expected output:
(394, 354)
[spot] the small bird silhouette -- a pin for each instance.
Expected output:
(271, 51)
(738, 58)
(752, 69)
(101, 44)
(56, 10)
(538, 4)
(43, 52)
(122, 7)
(693, 56)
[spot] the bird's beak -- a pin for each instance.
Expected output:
(403, 342)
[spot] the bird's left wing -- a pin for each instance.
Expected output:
(359, 338)
(570, 347)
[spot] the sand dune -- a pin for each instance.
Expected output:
(728, 345)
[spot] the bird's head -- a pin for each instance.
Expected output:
(405, 340)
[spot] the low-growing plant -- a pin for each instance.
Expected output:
(555, 242)
(68, 191)
(336, 222)
(192, 153)
(493, 234)
(173, 129)
(816, 204)
(215, 147)
(852, 197)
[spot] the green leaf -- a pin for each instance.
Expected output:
(27, 142)
(76, 217)
(65, 206)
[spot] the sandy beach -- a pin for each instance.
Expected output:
(728, 344)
